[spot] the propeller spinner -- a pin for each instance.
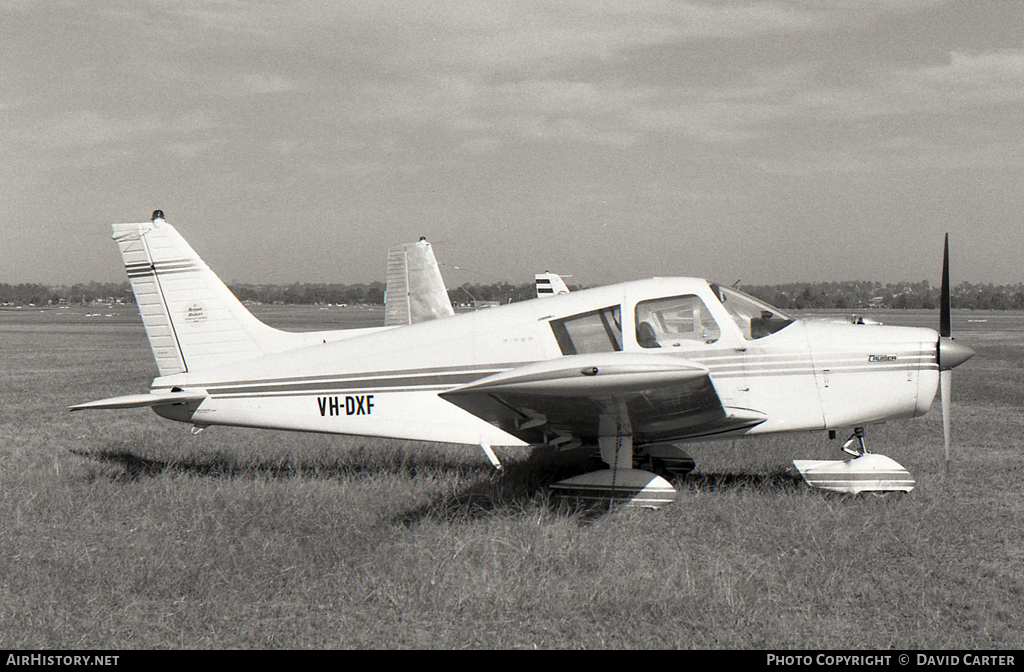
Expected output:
(950, 353)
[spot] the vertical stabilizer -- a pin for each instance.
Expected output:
(192, 319)
(415, 290)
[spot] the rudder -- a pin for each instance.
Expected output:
(415, 290)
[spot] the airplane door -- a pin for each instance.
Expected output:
(684, 324)
(777, 378)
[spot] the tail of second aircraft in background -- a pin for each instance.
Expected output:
(549, 284)
(192, 319)
(415, 290)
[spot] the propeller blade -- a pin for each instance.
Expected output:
(949, 353)
(945, 391)
(945, 328)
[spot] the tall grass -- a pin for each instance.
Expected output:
(124, 530)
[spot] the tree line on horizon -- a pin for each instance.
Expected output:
(853, 295)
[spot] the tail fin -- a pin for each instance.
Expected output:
(192, 319)
(549, 284)
(415, 291)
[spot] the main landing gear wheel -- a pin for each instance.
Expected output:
(666, 460)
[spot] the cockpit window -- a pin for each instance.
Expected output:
(671, 321)
(755, 318)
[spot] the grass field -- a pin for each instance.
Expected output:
(122, 530)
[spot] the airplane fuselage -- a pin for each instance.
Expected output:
(806, 376)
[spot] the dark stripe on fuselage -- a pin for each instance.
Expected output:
(328, 392)
(335, 386)
(479, 370)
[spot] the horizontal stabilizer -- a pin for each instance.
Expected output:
(141, 400)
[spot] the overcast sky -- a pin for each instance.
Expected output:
(296, 141)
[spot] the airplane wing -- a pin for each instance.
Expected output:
(664, 398)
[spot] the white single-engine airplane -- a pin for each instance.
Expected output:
(634, 369)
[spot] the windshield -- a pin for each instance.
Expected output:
(755, 318)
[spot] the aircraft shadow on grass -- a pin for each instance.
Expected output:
(778, 481)
(517, 487)
(528, 481)
(225, 465)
